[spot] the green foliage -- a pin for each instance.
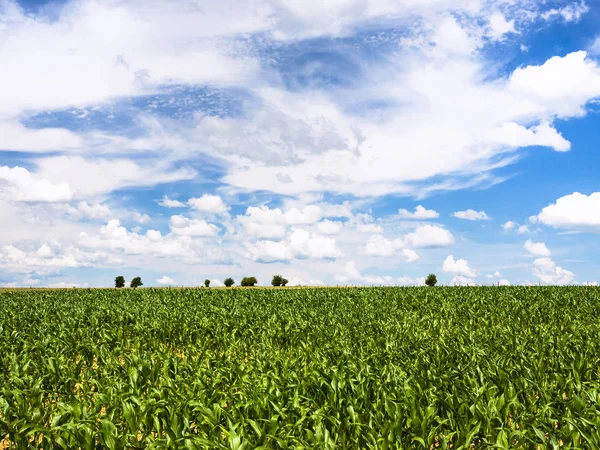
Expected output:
(284, 281)
(120, 281)
(136, 282)
(318, 368)
(229, 282)
(277, 280)
(249, 281)
(206, 283)
(431, 280)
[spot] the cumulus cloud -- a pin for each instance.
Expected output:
(272, 224)
(460, 267)
(299, 244)
(471, 214)
(352, 275)
(573, 211)
(183, 226)
(20, 185)
(509, 225)
(170, 203)
(499, 26)
(537, 248)
(429, 236)
(420, 213)
(329, 227)
(179, 245)
(90, 211)
(141, 217)
(165, 280)
(548, 272)
(423, 237)
(460, 280)
(209, 203)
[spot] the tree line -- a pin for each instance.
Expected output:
(277, 280)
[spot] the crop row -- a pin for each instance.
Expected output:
(345, 368)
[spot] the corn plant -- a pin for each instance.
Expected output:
(368, 368)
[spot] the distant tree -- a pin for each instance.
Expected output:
(136, 282)
(284, 281)
(431, 280)
(277, 280)
(229, 282)
(206, 283)
(248, 281)
(120, 281)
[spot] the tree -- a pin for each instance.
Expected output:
(431, 280)
(248, 281)
(277, 280)
(136, 282)
(120, 281)
(229, 282)
(284, 281)
(206, 283)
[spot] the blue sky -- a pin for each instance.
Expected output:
(333, 142)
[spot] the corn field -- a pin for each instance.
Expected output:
(380, 368)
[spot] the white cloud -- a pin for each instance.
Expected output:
(329, 227)
(92, 177)
(94, 211)
(509, 225)
(22, 186)
(377, 245)
(411, 255)
(470, 214)
(499, 26)
(183, 226)
(429, 236)
(573, 211)
(353, 276)
(560, 86)
(420, 213)
(570, 13)
(165, 280)
(548, 272)
(373, 162)
(170, 203)
(423, 237)
(460, 280)
(460, 267)
(141, 218)
(17, 137)
(272, 224)
(504, 282)
(65, 285)
(209, 203)
(369, 228)
(496, 274)
(523, 229)
(179, 245)
(537, 248)
(299, 244)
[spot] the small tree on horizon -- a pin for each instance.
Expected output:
(277, 280)
(206, 283)
(120, 281)
(229, 282)
(136, 282)
(431, 280)
(284, 281)
(249, 281)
